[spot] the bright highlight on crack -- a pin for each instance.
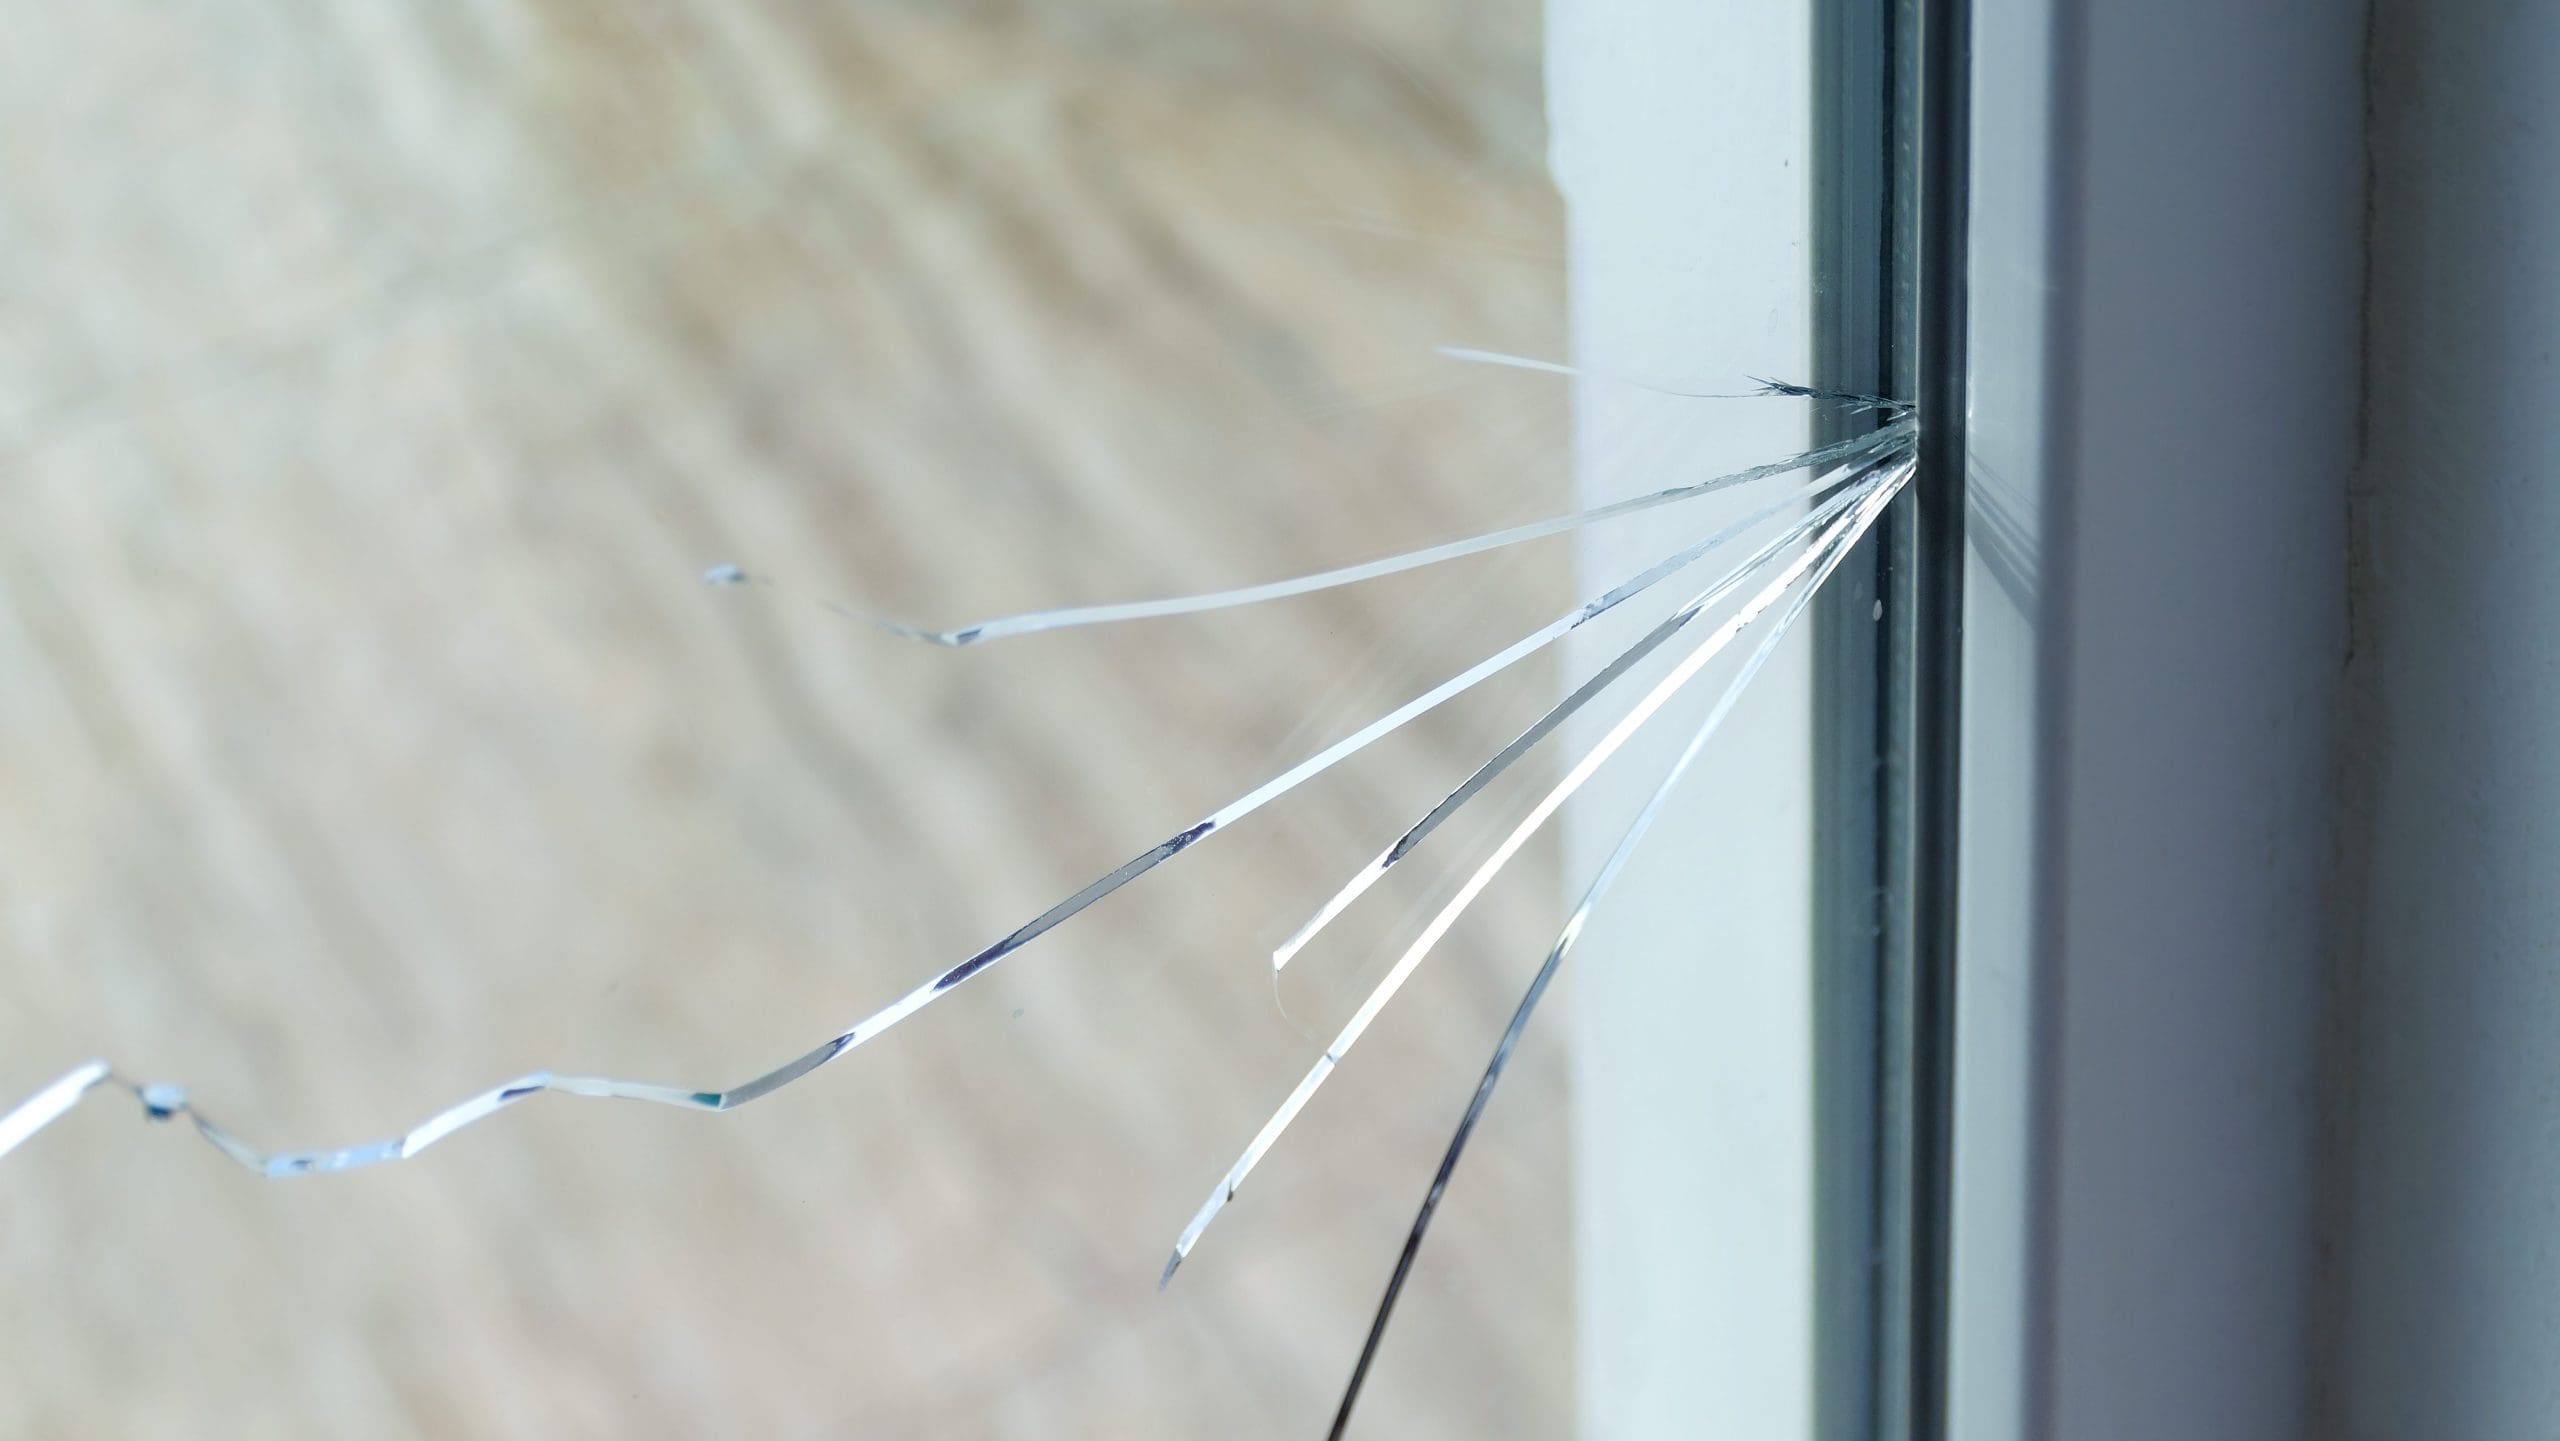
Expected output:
(1571, 934)
(1871, 499)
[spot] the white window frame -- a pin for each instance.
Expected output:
(2163, 322)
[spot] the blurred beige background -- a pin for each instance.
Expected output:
(375, 382)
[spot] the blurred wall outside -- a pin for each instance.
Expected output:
(374, 386)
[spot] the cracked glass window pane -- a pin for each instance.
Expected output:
(481, 478)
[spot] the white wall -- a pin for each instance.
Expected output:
(2450, 1275)
(1679, 134)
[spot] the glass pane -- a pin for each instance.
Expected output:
(385, 387)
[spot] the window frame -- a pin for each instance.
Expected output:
(2160, 401)
(1890, 270)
